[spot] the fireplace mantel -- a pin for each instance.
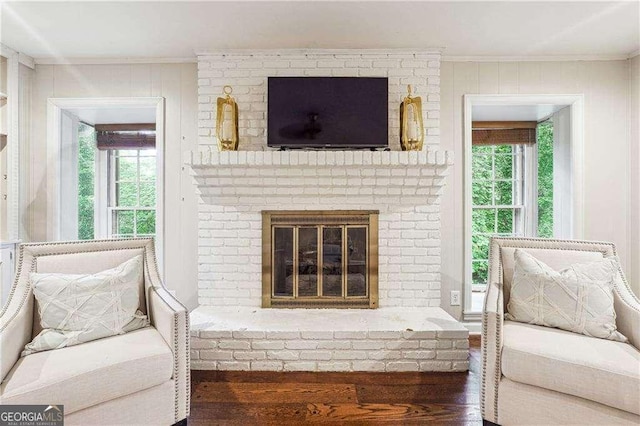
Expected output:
(396, 176)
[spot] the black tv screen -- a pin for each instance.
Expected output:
(333, 112)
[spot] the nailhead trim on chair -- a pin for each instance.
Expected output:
(151, 262)
(176, 342)
(508, 240)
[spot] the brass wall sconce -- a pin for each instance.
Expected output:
(411, 125)
(227, 121)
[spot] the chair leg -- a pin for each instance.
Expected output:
(182, 422)
(488, 423)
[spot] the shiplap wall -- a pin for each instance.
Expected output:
(177, 83)
(605, 85)
(634, 184)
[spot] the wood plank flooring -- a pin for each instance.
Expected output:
(240, 397)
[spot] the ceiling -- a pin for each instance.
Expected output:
(178, 29)
(514, 112)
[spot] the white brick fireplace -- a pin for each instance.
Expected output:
(230, 330)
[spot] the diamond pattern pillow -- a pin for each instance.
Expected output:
(79, 308)
(577, 299)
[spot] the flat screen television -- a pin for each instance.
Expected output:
(328, 112)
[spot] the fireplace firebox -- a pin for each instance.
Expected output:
(320, 259)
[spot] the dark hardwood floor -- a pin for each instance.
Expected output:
(237, 397)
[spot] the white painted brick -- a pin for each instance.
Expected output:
(349, 355)
(462, 344)
(203, 343)
(234, 344)
(316, 355)
(453, 334)
(335, 344)
(234, 365)
(402, 366)
(266, 366)
(444, 344)
(419, 354)
(301, 344)
(428, 344)
(203, 365)
(300, 366)
(283, 355)
(454, 354)
(267, 344)
(351, 335)
(369, 344)
(460, 366)
(317, 335)
(385, 334)
(248, 334)
(334, 366)
(403, 344)
(435, 366)
(216, 354)
(368, 365)
(253, 355)
(247, 75)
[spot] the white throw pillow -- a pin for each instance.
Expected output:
(578, 298)
(79, 308)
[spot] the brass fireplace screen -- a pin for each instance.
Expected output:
(320, 259)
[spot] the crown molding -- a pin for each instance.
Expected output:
(113, 61)
(286, 52)
(633, 54)
(31, 62)
(531, 58)
(23, 59)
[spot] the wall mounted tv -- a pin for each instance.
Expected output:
(328, 112)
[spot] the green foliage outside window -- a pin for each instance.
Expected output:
(86, 177)
(545, 179)
(135, 187)
(493, 185)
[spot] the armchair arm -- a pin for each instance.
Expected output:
(171, 319)
(627, 308)
(492, 322)
(16, 317)
(15, 331)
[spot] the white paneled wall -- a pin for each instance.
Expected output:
(605, 85)
(634, 182)
(177, 83)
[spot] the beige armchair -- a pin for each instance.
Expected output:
(141, 377)
(540, 375)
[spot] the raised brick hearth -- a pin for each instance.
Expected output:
(386, 339)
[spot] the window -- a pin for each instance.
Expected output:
(498, 200)
(116, 182)
(132, 189)
(512, 188)
(86, 181)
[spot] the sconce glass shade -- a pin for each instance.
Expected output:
(227, 122)
(411, 125)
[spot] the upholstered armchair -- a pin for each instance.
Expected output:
(539, 375)
(140, 377)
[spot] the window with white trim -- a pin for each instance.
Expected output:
(512, 188)
(498, 200)
(116, 181)
(132, 193)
